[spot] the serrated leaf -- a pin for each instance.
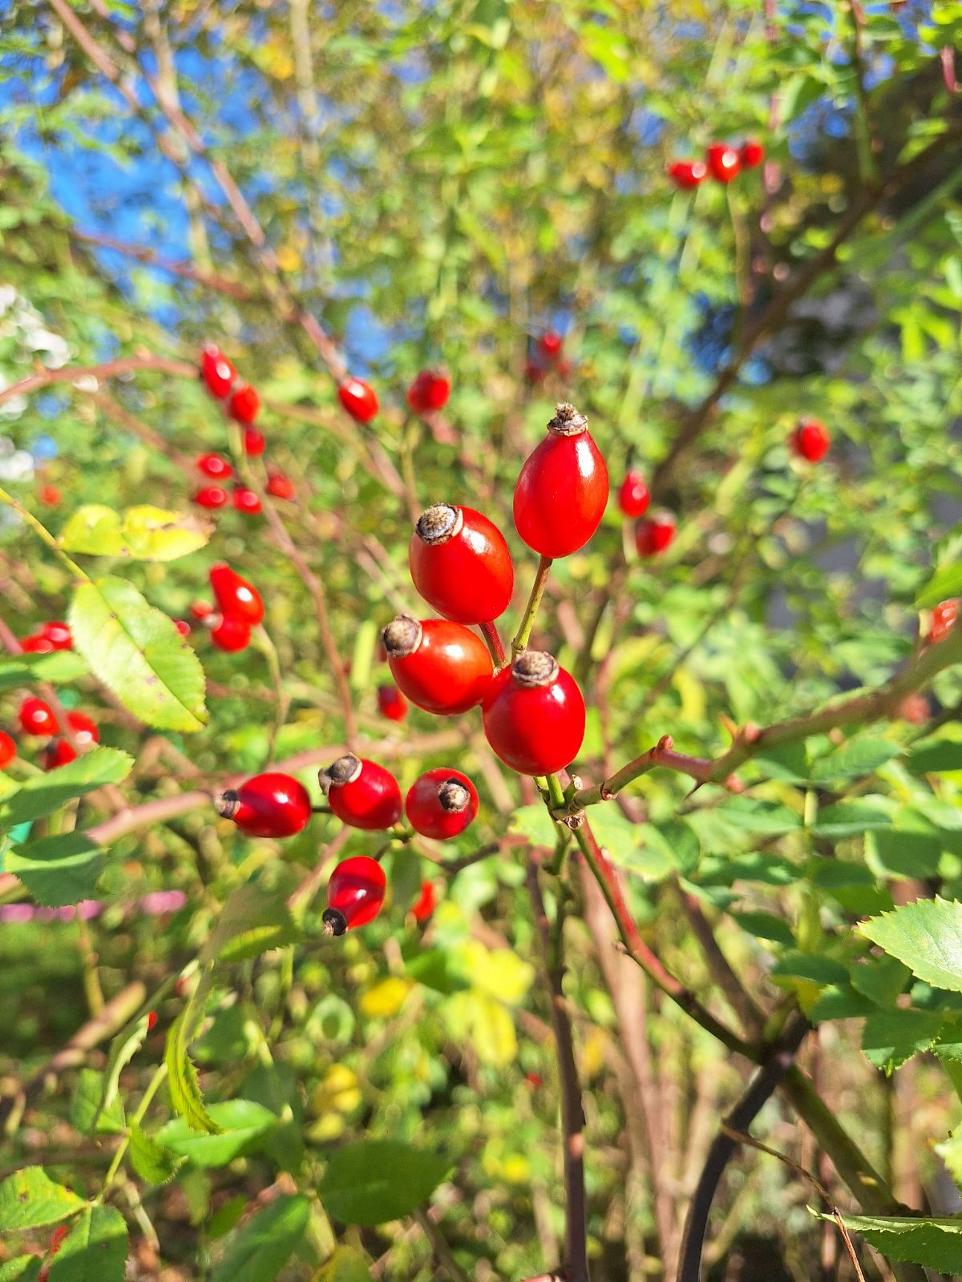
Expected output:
(95, 1249)
(853, 818)
(29, 1199)
(933, 1243)
(252, 921)
(93, 530)
(891, 1037)
(182, 1082)
(854, 759)
(43, 794)
(137, 652)
(86, 1111)
(926, 936)
(122, 1050)
(58, 870)
(374, 1181)
(241, 1125)
(881, 979)
(259, 1249)
(143, 533)
(154, 1164)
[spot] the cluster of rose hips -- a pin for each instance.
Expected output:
(546, 357)
(39, 720)
(53, 635)
(240, 402)
(722, 161)
(238, 611)
(653, 533)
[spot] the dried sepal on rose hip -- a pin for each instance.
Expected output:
(439, 665)
(562, 490)
(534, 715)
(460, 564)
(355, 894)
(361, 793)
(441, 804)
(272, 804)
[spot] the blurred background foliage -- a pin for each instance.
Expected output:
(441, 183)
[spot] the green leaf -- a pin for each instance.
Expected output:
(58, 870)
(765, 926)
(854, 759)
(252, 921)
(891, 1037)
(60, 667)
(535, 823)
(935, 756)
(346, 1265)
(881, 979)
(926, 936)
(139, 655)
(122, 1050)
(261, 1247)
(143, 533)
(43, 794)
(154, 1164)
(945, 582)
(374, 1181)
(95, 1249)
(182, 1083)
(933, 1243)
(87, 1113)
(853, 818)
(241, 1123)
(762, 817)
(23, 1268)
(820, 970)
(29, 1199)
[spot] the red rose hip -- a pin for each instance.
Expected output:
(231, 634)
(215, 466)
(943, 620)
(358, 398)
(550, 344)
(751, 153)
(355, 894)
(254, 442)
(37, 717)
(562, 491)
(687, 174)
(426, 902)
(655, 533)
(362, 794)
(245, 500)
(244, 405)
(211, 496)
(811, 440)
(633, 497)
(216, 371)
(391, 703)
(441, 804)
(723, 161)
(272, 804)
(441, 666)
(534, 715)
(281, 486)
(236, 597)
(429, 391)
(8, 749)
(460, 564)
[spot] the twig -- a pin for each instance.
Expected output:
(572, 1110)
(523, 635)
(442, 1252)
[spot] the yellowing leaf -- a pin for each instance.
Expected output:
(143, 533)
(497, 972)
(386, 998)
(486, 1024)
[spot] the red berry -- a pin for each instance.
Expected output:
(49, 495)
(534, 373)
(84, 730)
(429, 391)
(8, 749)
(441, 804)
(59, 752)
(281, 486)
(36, 643)
(687, 174)
(654, 534)
(811, 440)
(915, 709)
(36, 717)
(245, 500)
(215, 466)
(182, 626)
(460, 564)
(235, 596)
(231, 634)
(359, 399)
(562, 491)
(441, 666)
(244, 405)
(943, 620)
(751, 153)
(633, 497)
(151, 1020)
(534, 1080)
(362, 794)
(550, 344)
(58, 634)
(254, 442)
(268, 805)
(534, 715)
(201, 610)
(392, 703)
(723, 161)
(355, 894)
(211, 496)
(426, 902)
(216, 371)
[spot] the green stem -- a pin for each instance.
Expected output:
(523, 635)
(44, 534)
(269, 651)
(152, 1088)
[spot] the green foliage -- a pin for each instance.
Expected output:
(933, 1243)
(926, 937)
(260, 1248)
(378, 1180)
(95, 1249)
(29, 1199)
